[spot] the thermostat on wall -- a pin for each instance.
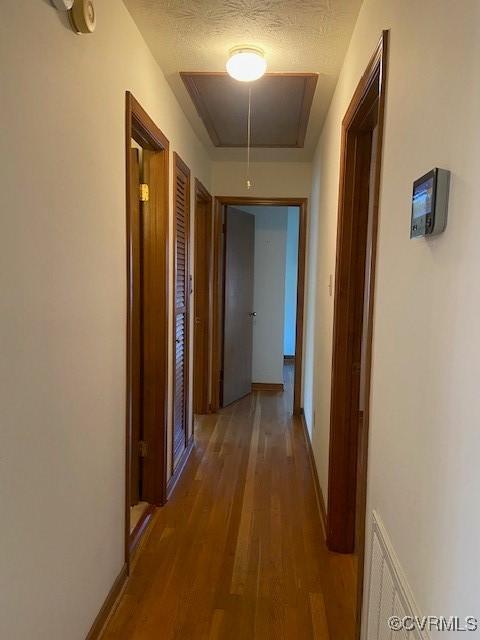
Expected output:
(430, 203)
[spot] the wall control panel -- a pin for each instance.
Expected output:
(430, 203)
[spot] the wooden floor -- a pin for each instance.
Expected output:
(238, 551)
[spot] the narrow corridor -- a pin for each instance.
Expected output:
(238, 551)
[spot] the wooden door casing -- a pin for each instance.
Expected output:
(182, 290)
(202, 299)
(136, 327)
(218, 263)
(357, 229)
(147, 233)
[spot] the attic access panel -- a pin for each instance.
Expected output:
(281, 104)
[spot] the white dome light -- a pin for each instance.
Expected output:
(246, 63)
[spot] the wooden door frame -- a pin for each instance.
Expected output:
(220, 203)
(141, 128)
(366, 110)
(203, 197)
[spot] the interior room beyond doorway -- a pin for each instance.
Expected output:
(260, 313)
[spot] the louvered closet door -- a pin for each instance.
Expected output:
(181, 319)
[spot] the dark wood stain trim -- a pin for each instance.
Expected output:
(217, 304)
(109, 605)
(268, 386)
(202, 196)
(172, 483)
(308, 94)
(220, 203)
(313, 469)
(147, 134)
(181, 165)
(344, 455)
(201, 107)
(140, 127)
(311, 80)
(299, 346)
(201, 192)
(382, 56)
(269, 74)
(141, 527)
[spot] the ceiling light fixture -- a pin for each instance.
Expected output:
(246, 63)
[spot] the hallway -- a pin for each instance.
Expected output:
(238, 551)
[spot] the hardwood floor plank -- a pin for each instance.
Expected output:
(237, 553)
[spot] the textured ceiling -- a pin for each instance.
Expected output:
(296, 35)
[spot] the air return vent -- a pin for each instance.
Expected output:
(389, 593)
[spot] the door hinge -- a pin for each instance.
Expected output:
(144, 192)
(142, 449)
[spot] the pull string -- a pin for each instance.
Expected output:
(249, 134)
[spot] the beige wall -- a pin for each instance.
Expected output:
(271, 179)
(63, 312)
(425, 413)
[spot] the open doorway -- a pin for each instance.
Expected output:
(147, 155)
(258, 341)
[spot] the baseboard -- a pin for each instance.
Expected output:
(289, 359)
(267, 386)
(141, 527)
(313, 468)
(109, 605)
(171, 484)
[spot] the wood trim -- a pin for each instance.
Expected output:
(147, 134)
(109, 606)
(202, 193)
(199, 104)
(299, 337)
(308, 94)
(180, 166)
(268, 386)
(343, 440)
(220, 203)
(140, 127)
(313, 469)
(348, 453)
(174, 478)
(281, 74)
(311, 80)
(203, 198)
(217, 304)
(141, 527)
(251, 200)
(381, 58)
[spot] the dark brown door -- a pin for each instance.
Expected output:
(202, 271)
(181, 313)
(136, 327)
(146, 438)
(153, 324)
(238, 328)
